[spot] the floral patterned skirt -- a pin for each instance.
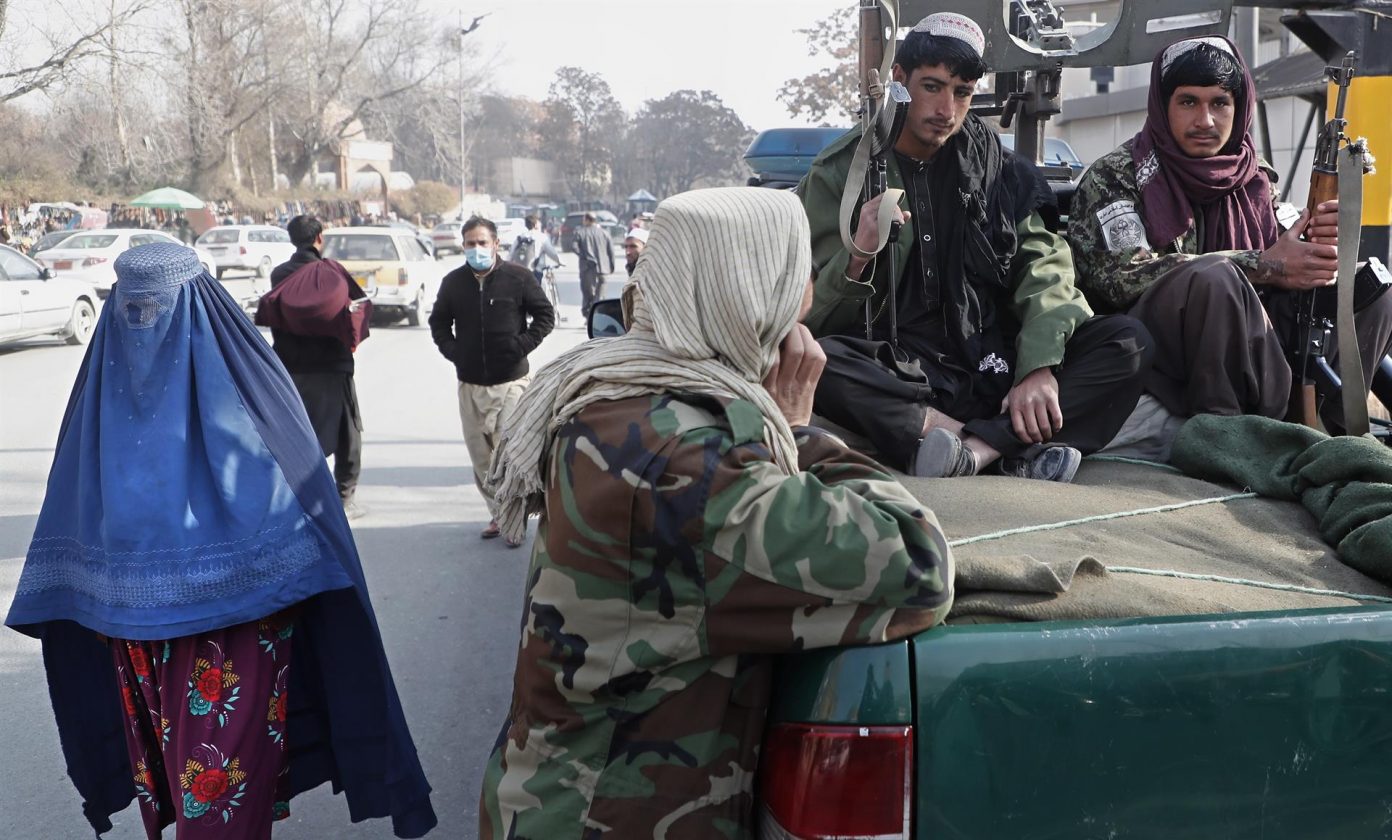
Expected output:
(206, 729)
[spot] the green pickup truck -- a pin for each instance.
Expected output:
(1141, 654)
(1267, 713)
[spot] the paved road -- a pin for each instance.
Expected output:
(448, 602)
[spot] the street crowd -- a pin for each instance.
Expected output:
(697, 517)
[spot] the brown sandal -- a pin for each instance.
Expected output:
(491, 531)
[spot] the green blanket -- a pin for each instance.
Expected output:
(1344, 482)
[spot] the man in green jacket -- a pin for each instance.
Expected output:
(998, 355)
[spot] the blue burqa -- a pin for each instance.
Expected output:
(188, 493)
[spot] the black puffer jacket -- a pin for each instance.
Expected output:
(488, 329)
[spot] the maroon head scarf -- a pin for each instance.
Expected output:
(1229, 189)
(317, 300)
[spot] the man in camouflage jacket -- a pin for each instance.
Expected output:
(1181, 228)
(685, 540)
(654, 669)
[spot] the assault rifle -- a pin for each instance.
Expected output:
(883, 107)
(1329, 177)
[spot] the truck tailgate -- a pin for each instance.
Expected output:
(1270, 725)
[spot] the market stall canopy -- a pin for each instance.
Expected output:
(168, 198)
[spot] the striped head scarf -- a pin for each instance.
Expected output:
(714, 294)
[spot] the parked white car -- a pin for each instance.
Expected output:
(89, 256)
(508, 231)
(393, 267)
(257, 248)
(36, 302)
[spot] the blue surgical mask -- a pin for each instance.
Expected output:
(480, 258)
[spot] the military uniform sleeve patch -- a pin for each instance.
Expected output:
(1122, 227)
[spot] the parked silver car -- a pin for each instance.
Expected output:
(448, 237)
(257, 248)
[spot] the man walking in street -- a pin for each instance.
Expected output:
(596, 255)
(322, 369)
(489, 315)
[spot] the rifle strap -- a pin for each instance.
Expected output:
(1354, 390)
(860, 161)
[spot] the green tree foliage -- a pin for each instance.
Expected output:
(828, 96)
(689, 139)
(583, 120)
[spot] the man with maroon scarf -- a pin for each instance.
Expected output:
(1179, 227)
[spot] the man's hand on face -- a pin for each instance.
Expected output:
(867, 234)
(1293, 263)
(1033, 405)
(792, 381)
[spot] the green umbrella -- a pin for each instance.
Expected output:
(168, 198)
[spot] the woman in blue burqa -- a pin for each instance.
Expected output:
(206, 630)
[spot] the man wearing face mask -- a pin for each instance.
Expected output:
(488, 315)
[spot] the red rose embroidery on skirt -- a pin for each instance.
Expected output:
(210, 684)
(139, 661)
(209, 785)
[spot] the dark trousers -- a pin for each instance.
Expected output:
(331, 401)
(1100, 380)
(591, 286)
(1220, 348)
(1215, 350)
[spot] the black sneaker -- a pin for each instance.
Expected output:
(1044, 462)
(941, 454)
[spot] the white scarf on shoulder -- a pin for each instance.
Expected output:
(715, 292)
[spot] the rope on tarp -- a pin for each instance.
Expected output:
(1122, 459)
(1102, 517)
(1282, 587)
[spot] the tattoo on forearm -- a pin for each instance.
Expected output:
(1268, 269)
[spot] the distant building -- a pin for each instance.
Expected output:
(524, 178)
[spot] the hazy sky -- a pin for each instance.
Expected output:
(743, 50)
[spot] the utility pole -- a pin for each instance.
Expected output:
(463, 144)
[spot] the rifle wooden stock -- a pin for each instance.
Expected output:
(1324, 186)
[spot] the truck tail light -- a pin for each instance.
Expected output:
(845, 782)
(242, 250)
(401, 278)
(91, 261)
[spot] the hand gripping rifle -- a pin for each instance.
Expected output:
(882, 112)
(1339, 166)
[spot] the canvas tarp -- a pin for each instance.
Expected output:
(1272, 547)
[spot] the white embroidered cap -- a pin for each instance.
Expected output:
(953, 25)
(1174, 51)
(639, 234)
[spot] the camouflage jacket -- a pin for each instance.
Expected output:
(673, 559)
(1106, 227)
